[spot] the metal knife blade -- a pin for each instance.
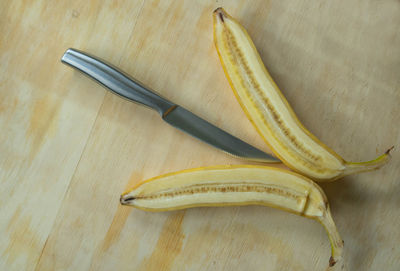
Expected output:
(197, 127)
(125, 86)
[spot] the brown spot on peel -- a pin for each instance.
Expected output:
(220, 12)
(389, 150)
(332, 261)
(221, 17)
(125, 200)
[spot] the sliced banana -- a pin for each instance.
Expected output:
(269, 111)
(236, 186)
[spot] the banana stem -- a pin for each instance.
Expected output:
(368, 165)
(336, 260)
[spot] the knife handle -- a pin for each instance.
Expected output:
(115, 80)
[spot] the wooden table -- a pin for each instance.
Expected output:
(69, 148)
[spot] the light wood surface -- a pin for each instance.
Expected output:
(69, 148)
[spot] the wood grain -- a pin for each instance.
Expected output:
(68, 148)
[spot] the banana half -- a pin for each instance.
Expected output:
(237, 186)
(269, 111)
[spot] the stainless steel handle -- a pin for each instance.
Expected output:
(115, 80)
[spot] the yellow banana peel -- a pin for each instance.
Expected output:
(269, 111)
(238, 185)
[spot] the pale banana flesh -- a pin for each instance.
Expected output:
(269, 111)
(235, 186)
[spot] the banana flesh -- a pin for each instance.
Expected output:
(237, 186)
(269, 111)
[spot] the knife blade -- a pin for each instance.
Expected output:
(175, 115)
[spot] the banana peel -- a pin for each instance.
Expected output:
(270, 112)
(238, 185)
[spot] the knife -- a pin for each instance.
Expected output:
(177, 116)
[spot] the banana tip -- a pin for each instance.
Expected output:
(125, 199)
(389, 150)
(220, 13)
(332, 261)
(219, 9)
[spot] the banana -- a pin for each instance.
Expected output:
(269, 111)
(237, 185)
